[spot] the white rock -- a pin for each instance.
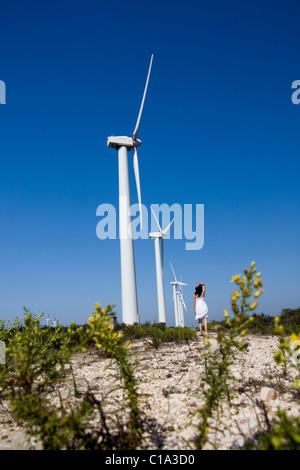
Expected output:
(267, 394)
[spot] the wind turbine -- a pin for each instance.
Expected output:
(175, 283)
(182, 306)
(159, 259)
(128, 278)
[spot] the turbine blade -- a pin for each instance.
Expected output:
(162, 252)
(156, 219)
(173, 273)
(136, 130)
(137, 180)
(164, 232)
(182, 284)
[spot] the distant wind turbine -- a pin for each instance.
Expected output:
(175, 283)
(159, 259)
(128, 278)
(181, 306)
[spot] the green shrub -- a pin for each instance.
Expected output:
(33, 369)
(158, 333)
(8, 329)
(264, 324)
(283, 433)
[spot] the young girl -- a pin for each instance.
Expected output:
(200, 306)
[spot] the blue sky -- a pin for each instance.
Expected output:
(218, 128)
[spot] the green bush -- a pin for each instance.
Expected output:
(9, 329)
(264, 324)
(283, 433)
(28, 381)
(158, 333)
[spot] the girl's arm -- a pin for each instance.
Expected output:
(203, 290)
(194, 305)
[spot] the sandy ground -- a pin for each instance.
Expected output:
(171, 382)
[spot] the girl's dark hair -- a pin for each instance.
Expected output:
(198, 290)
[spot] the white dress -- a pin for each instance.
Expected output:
(201, 308)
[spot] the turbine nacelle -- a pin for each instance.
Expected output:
(155, 235)
(122, 141)
(161, 234)
(177, 283)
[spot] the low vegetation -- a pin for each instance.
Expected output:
(157, 333)
(38, 361)
(264, 324)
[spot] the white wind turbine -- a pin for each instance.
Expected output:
(128, 279)
(175, 283)
(159, 259)
(181, 304)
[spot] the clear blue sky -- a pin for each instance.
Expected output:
(219, 128)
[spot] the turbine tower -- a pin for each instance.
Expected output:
(159, 259)
(175, 283)
(181, 304)
(128, 278)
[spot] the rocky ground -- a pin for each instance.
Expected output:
(171, 380)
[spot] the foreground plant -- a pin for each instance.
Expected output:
(283, 432)
(104, 336)
(8, 329)
(288, 354)
(34, 367)
(217, 362)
